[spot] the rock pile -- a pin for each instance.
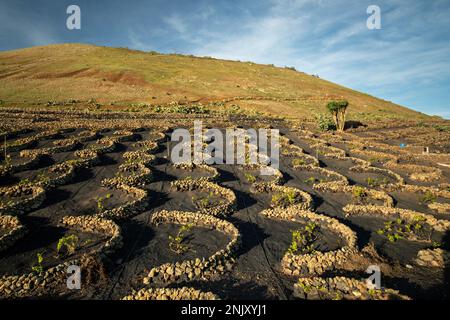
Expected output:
(183, 293)
(14, 231)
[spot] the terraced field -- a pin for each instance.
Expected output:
(98, 190)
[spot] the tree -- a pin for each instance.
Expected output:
(337, 110)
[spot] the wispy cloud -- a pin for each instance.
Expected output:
(175, 22)
(406, 55)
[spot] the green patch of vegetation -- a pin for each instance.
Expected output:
(306, 288)
(284, 199)
(436, 244)
(177, 243)
(310, 180)
(401, 229)
(69, 243)
(38, 267)
(183, 109)
(374, 293)
(337, 296)
(428, 197)
(303, 240)
(442, 128)
(250, 177)
(101, 202)
(359, 193)
(376, 182)
(24, 182)
(6, 203)
(206, 202)
(298, 162)
(233, 109)
(325, 123)
(374, 160)
(42, 178)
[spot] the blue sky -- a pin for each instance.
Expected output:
(407, 61)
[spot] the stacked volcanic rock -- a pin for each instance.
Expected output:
(31, 197)
(97, 225)
(204, 268)
(14, 231)
(437, 258)
(338, 288)
(220, 210)
(183, 293)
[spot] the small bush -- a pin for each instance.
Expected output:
(401, 229)
(303, 241)
(195, 109)
(70, 244)
(284, 199)
(250, 178)
(359, 193)
(183, 109)
(310, 180)
(205, 202)
(298, 162)
(176, 243)
(325, 123)
(100, 202)
(38, 268)
(429, 197)
(376, 182)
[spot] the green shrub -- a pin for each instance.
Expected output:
(100, 202)
(298, 162)
(176, 243)
(359, 193)
(183, 109)
(69, 242)
(376, 182)
(428, 197)
(250, 178)
(194, 109)
(206, 202)
(442, 128)
(284, 199)
(310, 180)
(303, 241)
(38, 268)
(400, 229)
(325, 123)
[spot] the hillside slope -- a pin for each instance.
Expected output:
(121, 76)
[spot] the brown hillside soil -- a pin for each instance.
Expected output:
(123, 77)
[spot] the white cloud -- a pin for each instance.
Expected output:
(329, 38)
(176, 23)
